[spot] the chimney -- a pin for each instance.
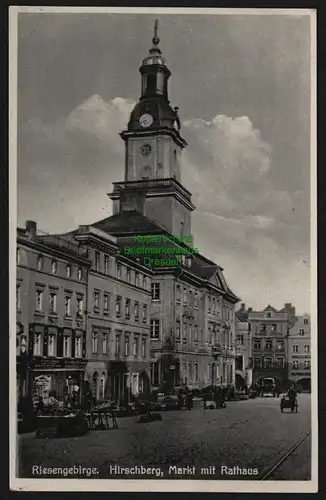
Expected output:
(243, 307)
(249, 309)
(31, 229)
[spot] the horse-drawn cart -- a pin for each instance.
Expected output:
(289, 403)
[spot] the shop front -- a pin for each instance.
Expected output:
(62, 377)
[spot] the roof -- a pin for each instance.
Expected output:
(133, 223)
(128, 223)
(242, 316)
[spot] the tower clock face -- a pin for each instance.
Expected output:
(146, 120)
(146, 150)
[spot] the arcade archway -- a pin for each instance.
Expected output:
(304, 384)
(239, 381)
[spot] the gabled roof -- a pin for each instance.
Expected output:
(270, 308)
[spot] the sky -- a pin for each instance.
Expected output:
(242, 85)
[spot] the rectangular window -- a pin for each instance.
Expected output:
(280, 362)
(66, 346)
(143, 347)
(184, 332)
(51, 345)
(145, 313)
(96, 300)
(97, 261)
(117, 345)
(54, 267)
(196, 333)
(268, 344)
(263, 328)
(37, 344)
(295, 364)
(105, 343)
(106, 302)
(280, 345)
(178, 330)
(18, 296)
(128, 308)
(95, 343)
(239, 340)
(306, 364)
(155, 328)
(127, 345)
(53, 303)
(118, 270)
(196, 299)
(305, 321)
(68, 271)
(39, 264)
(39, 300)
(106, 264)
(306, 349)
(301, 332)
(295, 348)
(185, 296)
(136, 346)
(178, 293)
(118, 306)
(257, 345)
(136, 310)
(80, 306)
(78, 347)
(257, 362)
(141, 280)
(268, 362)
(128, 275)
(80, 274)
(155, 288)
(273, 327)
(67, 305)
(190, 335)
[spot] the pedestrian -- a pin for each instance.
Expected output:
(40, 406)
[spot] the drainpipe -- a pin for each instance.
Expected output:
(175, 296)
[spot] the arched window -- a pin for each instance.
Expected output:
(102, 388)
(94, 384)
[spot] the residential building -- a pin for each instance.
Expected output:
(269, 332)
(51, 293)
(299, 352)
(243, 360)
(119, 298)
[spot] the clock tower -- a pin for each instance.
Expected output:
(153, 148)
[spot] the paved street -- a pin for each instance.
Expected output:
(248, 434)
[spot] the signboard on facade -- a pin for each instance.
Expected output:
(58, 363)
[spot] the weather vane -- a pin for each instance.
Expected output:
(156, 39)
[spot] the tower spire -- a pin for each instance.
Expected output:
(156, 39)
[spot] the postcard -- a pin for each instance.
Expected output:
(163, 335)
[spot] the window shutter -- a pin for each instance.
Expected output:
(73, 337)
(45, 341)
(60, 343)
(30, 340)
(84, 345)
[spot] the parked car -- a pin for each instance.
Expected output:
(167, 403)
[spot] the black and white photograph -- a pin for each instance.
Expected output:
(162, 167)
